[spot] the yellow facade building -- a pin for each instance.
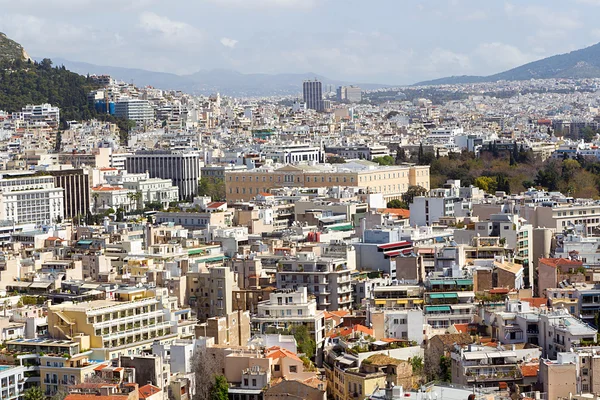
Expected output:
(126, 326)
(391, 181)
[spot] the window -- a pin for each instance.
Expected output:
(245, 381)
(293, 368)
(276, 368)
(253, 382)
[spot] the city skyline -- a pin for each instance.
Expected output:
(361, 44)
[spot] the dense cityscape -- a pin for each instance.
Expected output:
(433, 241)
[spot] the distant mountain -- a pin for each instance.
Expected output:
(224, 81)
(583, 63)
(11, 50)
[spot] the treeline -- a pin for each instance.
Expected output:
(27, 82)
(515, 171)
(30, 82)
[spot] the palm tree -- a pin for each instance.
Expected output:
(95, 196)
(134, 199)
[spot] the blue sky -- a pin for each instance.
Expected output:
(374, 41)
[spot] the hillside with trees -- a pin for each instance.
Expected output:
(30, 82)
(511, 171)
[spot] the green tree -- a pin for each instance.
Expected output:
(502, 184)
(587, 134)
(220, 389)
(400, 156)
(214, 188)
(417, 364)
(306, 341)
(420, 154)
(385, 160)
(485, 183)
(446, 369)
(34, 393)
(397, 204)
(412, 192)
(336, 160)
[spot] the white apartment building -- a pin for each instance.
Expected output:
(554, 331)
(140, 111)
(290, 153)
(12, 381)
(28, 199)
(286, 308)
(39, 115)
(569, 215)
(105, 197)
(328, 278)
(404, 324)
(151, 189)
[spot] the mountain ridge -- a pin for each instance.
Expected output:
(577, 64)
(225, 81)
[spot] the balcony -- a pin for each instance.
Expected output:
(492, 374)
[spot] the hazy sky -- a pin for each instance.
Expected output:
(374, 41)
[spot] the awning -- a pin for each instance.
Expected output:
(40, 285)
(462, 282)
(85, 242)
(193, 252)
(211, 259)
(437, 308)
(475, 355)
(380, 302)
(443, 296)
(437, 282)
(344, 227)
(19, 284)
(402, 301)
(90, 286)
(501, 354)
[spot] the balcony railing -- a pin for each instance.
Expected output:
(490, 373)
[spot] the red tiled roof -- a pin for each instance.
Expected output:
(461, 328)
(536, 301)
(338, 313)
(393, 245)
(530, 370)
(147, 391)
(265, 194)
(93, 397)
(400, 212)
(499, 291)
(106, 188)
(556, 262)
(215, 204)
(280, 352)
(100, 367)
(349, 331)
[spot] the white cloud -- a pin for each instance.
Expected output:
(167, 29)
(500, 56)
(478, 15)
(447, 62)
(293, 4)
(595, 33)
(227, 42)
(31, 32)
(543, 16)
(589, 2)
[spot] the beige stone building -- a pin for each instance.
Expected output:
(392, 181)
(137, 319)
